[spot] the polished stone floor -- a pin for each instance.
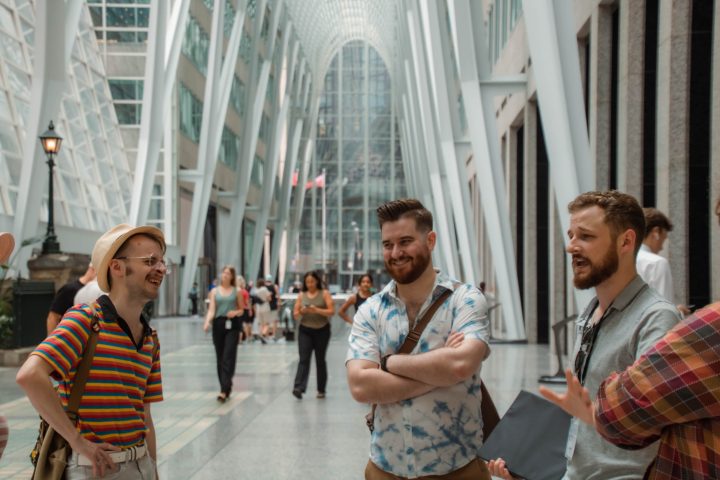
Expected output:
(263, 432)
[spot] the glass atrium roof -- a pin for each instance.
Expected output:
(323, 26)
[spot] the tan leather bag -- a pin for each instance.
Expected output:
(51, 450)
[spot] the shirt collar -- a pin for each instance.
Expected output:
(645, 248)
(442, 283)
(110, 315)
(624, 298)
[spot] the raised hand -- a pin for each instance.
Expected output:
(497, 469)
(576, 400)
(98, 453)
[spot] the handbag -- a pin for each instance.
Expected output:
(51, 451)
(490, 416)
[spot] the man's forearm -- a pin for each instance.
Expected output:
(375, 386)
(150, 440)
(43, 397)
(442, 367)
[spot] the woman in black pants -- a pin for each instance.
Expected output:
(225, 312)
(313, 309)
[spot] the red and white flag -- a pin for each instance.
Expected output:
(318, 182)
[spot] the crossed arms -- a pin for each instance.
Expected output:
(409, 376)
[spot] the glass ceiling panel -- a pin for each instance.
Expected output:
(324, 28)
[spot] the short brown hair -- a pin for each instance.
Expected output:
(622, 212)
(655, 218)
(394, 210)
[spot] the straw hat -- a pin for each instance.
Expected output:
(7, 243)
(107, 246)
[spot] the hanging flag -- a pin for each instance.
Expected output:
(318, 182)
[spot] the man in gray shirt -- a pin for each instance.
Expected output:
(624, 319)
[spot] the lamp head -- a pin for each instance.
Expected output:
(50, 140)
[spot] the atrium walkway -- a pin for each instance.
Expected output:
(263, 432)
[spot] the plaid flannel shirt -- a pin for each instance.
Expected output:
(671, 393)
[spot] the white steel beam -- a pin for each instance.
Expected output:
(458, 189)
(284, 201)
(268, 190)
(474, 66)
(278, 140)
(163, 54)
(173, 44)
(218, 84)
(151, 120)
(556, 67)
(55, 33)
(251, 126)
(294, 226)
(443, 222)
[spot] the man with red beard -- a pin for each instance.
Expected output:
(113, 432)
(669, 394)
(625, 318)
(428, 420)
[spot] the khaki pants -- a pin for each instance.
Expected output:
(141, 469)
(475, 470)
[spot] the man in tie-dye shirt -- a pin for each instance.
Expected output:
(428, 421)
(114, 432)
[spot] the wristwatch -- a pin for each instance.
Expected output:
(383, 363)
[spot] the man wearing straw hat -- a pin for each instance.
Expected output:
(124, 377)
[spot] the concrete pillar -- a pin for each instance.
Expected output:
(600, 93)
(715, 159)
(631, 70)
(557, 273)
(530, 224)
(510, 183)
(673, 95)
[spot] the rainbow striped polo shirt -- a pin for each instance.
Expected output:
(123, 376)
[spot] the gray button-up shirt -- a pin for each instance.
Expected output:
(634, 322)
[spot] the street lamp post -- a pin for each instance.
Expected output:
(51, 145)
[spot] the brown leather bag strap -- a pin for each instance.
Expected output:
(411, 340)
(81, 376)
(414, 335)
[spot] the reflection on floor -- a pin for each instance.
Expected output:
(262, 432)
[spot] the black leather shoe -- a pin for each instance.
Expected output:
(297, 394)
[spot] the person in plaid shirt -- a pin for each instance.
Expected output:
(672, 393)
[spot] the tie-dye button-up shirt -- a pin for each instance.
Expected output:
(441, 431)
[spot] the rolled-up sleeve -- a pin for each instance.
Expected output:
(676, 381)
(363, 341)
(470, 314)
